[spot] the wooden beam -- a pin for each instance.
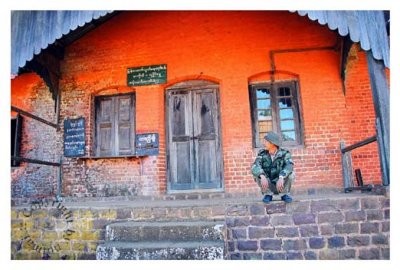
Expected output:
(347, 167)
(380, 95)
(22, 112)
(36, 161)
(359, 144)
(47, 66)
(382, 158)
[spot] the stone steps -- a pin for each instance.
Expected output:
(164, 231)
(165, 250)
(162, 240)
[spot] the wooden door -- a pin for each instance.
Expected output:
(207, 149)
(194, 145)
(180, 165)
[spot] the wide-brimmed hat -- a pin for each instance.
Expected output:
(272, 137)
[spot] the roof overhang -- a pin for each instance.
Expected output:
(34, 31)
(38, 38)
(368, 27)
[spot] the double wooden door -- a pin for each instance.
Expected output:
(194, 159)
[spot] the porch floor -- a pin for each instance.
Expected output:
(204, 199)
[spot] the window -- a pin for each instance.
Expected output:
(275, 107)
(115, 125)
(16, 132)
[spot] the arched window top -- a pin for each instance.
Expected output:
(193, 84)
(269, 76)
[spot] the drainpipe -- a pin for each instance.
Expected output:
(59, 182)
(58, 105)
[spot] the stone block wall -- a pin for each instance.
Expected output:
(73, 231)
(62, 236)
(344, 227)
(333, 229)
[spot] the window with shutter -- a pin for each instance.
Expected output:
(115, 125)
(275, 107)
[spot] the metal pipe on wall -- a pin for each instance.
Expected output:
(273, 52)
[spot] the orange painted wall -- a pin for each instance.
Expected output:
(22, 88)
(227, 48)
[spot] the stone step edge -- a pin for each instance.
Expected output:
(168, 223)
(174, 204)
(164, 231)
(161, 244)
(165, 250)
(184, 196)
(203, 195)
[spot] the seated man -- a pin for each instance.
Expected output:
(273, 169)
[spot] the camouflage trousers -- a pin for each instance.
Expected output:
(271, 189)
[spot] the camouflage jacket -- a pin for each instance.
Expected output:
(281, 166)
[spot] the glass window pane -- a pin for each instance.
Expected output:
(264, 115)
(284, 91)
(285, 102)
(289, 136)
(287, 125)
(261, 138)
(281, 91)
(263, 93)
(264, 126)
(286, 113)
(263, 103)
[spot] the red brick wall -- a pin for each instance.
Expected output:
(39, 141)
(360, 116)
(228, 48)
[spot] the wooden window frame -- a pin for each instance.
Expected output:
(276, 126)
(16, 139)
(115, 151)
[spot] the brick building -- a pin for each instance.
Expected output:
(260, 71)
(165, 110)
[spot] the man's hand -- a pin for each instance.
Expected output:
(264, 182)
(279, 184)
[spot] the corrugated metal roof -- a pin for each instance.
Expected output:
(33, 31)
(365, 26)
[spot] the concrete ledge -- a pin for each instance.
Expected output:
(203, 197)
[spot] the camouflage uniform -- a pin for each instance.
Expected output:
(281, 166)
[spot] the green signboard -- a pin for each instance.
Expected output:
(147, 75)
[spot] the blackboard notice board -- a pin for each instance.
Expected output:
(147, 75)
(147, 144)
(74, 137)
